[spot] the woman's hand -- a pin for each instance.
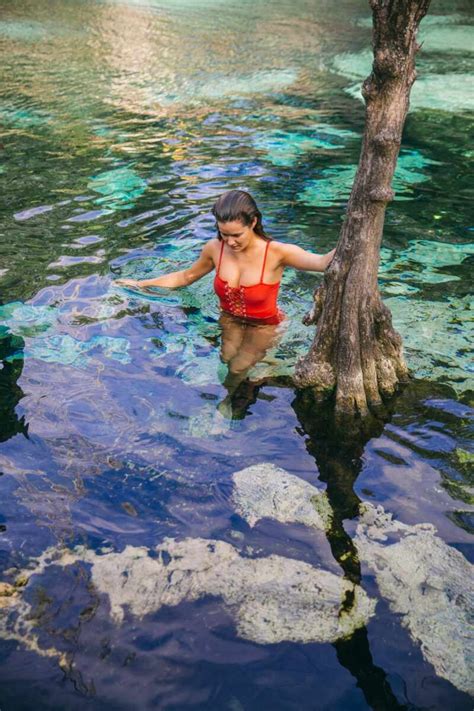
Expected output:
(131, 283)
(175, 280)
(330, 256)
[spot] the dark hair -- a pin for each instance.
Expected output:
(238, 205)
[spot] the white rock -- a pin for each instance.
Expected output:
(267, 491)
(272, 598)
(428, 583)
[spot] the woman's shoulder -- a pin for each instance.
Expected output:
(276, 244)
(277, 248)
(284, 248)
(211, 246)
(282, 253)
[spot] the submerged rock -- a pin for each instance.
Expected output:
(437, 336)
(266, 491)
(273, 598)
(119, 187)
(18, 620)
(439, 91)
(285, 148)
(429, 584)
(7, 590)
(335, 184)
(424, 580)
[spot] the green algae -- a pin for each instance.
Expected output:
(323, 509)
(458, 490)
(465, 459)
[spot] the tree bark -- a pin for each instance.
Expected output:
(356, 352)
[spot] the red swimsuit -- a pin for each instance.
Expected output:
(252, 303)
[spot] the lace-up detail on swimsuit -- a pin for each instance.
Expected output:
(255, 303)
(234, 297)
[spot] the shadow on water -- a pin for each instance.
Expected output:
(337, 450)
(11, 359)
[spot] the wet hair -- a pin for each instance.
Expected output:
(238, 205)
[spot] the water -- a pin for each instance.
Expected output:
(120, 124)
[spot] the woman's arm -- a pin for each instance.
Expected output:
(298, 258)
(174, 280)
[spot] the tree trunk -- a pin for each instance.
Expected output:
(356, 352)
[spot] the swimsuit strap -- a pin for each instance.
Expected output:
(264, 262)
(220, 257)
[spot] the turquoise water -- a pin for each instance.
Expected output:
(120, 124)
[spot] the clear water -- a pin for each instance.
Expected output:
(120, 124)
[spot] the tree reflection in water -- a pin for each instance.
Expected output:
(337, 449)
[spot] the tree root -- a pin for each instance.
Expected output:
(315, 374)
(360, 367)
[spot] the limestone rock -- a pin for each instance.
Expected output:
(429, 584)
(272, 598)
(267, 491)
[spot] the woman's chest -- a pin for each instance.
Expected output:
(240, 272)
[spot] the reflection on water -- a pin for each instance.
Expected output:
(120, 124)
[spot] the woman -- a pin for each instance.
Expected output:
(249, 266)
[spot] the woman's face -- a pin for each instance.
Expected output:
(236, 235)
